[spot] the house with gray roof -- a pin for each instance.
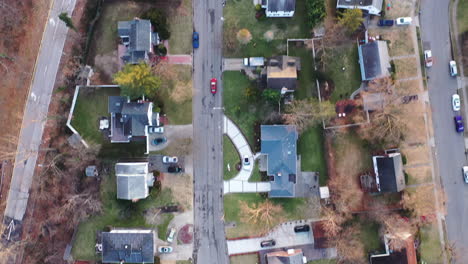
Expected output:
(133, 180)
(374, 60)
(278, 144)
(279, 8)
(282, 73)
(291, 256)
(372, 7)
(130, 120)
(137, 36)
(389, 174)
(128, 246)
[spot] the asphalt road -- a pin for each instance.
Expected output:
(37, 107)
(209, 240)
(449, 145)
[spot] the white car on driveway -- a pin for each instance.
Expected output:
(167, 159)
(456, 102)
(465, 173)
(401, 21)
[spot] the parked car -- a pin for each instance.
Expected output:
(459, 127)
(159, 141)
(213, 85)
(453, 68)
(246, 163)
(456, 102)
(302, 228)
(195, 40)
(465, 173)
(268, 243)
(385, 23)
(428, 58)
(167, 159)
(174, 169)
(401, 21)
(170, 237)
(164, 249)
(153, 129)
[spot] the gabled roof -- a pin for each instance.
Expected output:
(128, 119)
(281, 5)
(389, 172)
(374, 7)
(130, 246)
(282, 72)
(374, 60)
(140, 37)
(133, 180)
(278, 142)
(292, 256)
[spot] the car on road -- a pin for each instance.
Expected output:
(167, 159)
(401, 21)
(456, 102)
(268, 243)
(213, 85)
(246, 163)
(153, 129)
(385, 23)
(459, 127)
(428, 58)
(195, 40)
(170, 237)
(465, 173)
(302, 228)
(453, 68)
(174, 169)
(164, 249)
(159, 141)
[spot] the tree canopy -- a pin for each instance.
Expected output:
(315, 11)
(159, 20)
(67, 20)
(137, 80)
(351, 19)
(308, 112)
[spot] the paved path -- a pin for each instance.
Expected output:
(233, 64)
(37, 107)
(179, 59)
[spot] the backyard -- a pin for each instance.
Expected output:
(117, 213)
(268, 34)
(306, 77)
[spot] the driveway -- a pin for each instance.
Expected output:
(172, 133)
(156, 163)
(233, 64)
(181, 251)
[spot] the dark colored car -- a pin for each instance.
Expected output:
(385, 23)
(302, 228)
(174, 169)
(158, 141)
(459, 127)
(195, 40)
(268, 243)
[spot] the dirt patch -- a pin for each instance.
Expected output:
(182, 186)
(106, 65)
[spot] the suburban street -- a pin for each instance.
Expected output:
(35, 113)
(449, 145)
(209, 240)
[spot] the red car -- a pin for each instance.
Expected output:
(213, 85)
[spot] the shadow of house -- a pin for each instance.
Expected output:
(372, 7)
(133, 180)
(389, 175)
(137, 36)
(128, 246)
(279, 8)
(374, 60)
(281, 73)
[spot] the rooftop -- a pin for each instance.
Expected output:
(130, 246)
(281, 5)
(133, 180)
(374, 60)
(389, 172)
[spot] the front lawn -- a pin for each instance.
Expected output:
(430, 249)
(231, 157)
(345, 81)
(310, 147)
(180, 25)
(116, 213)
(462, 18)
(294, 208)
(244, 259)
(240, 14)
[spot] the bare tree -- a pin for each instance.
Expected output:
(308, 112)
(421, 201)
(332, 222)
(349, 246)
(266, 214)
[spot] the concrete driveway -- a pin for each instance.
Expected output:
(181, 251)
(171, 133)
(233, 64)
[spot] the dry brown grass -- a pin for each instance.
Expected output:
(182, 186)
(419, 175)
(400, 43)
(406, 68)
(400, 8)
(416, 132)
(409, 87)
(416, 155)
(182, 91)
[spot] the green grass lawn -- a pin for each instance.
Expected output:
(180, 25)
(370, 236)
(462, 18)
(306, 77)
(231, 157)
(162, 228)
(293, 209)
(310, 147)
(430, 249)
(346, 81)
(244, 259)
(323, 261)
(256, 175)
(116, 213)
(240, 14)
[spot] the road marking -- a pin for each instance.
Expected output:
(33, 96)
(52, 21)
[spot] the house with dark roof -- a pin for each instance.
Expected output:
(282, 73)
(406, 255)
(278, 144)
(128, 246)
(291, 256)
(389, 175)
(279, 8)
(137, 36)
(133, 180)
(372, 7)
(374, 60)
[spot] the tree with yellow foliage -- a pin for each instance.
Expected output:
(137, 80)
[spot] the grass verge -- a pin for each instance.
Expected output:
(431, 250)
(245, 259)
(231, 158)
(462, 18)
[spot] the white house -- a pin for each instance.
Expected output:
(279, 8)
(372, 7)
